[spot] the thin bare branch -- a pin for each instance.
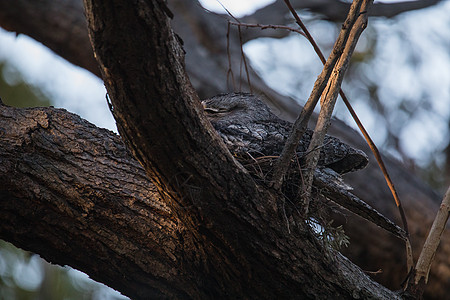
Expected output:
(429, 248)
(301, 122)
(230, 75)
(366, 135)
(369, 141)
(268, 26)
(244, 60)
(352, 29)
(390, 183)
(241, 41)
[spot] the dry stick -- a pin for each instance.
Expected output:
(244, 60)
(267, 26)
(429, 248)
(242, 49)
(305, 30)
(301, 123)
(280, 173)
(369, 141)
(330, 94)
(366, 135)
(230, 69)
(376, 153)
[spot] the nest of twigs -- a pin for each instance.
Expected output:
(320, 208)
(261, 169)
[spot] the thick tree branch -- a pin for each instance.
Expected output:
(333, 10)
(59, 25)
(144, 107)
(69, 189)
(76, 190)
(320, 84)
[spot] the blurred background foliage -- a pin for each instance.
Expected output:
(398, 82)
(24, 275)
(16, 92)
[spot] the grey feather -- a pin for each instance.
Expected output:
(247, 125)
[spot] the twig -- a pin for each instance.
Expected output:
(305, 30)
(230, 69)
(364, 132)
(390, 183)
(301, 123)
(353, 27)
(377, 155)
(379, 271)
(429, 248)
(268, 26)
(277, 178)
(371, 144)
(369, 141)
(244, 60)
(242, 49)
(226, 9)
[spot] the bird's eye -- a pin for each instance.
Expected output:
(213, 110)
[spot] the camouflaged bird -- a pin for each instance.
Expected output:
(247, 126)
(252, 133)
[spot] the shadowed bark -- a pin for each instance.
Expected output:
(77, 191)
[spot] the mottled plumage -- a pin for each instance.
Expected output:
(247, 125)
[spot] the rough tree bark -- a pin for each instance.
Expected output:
(212, 43)
(75, 190)
(231, 239)
(234, 241)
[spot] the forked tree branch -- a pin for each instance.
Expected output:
(314, 150)
(69, 189)
(231, 221)
(354, 28)
(419, 276)
(301, 122)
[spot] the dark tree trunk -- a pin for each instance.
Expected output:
(73, 194)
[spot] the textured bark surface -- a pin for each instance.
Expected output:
(70, 189)
(76, 190)
(371, 247)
